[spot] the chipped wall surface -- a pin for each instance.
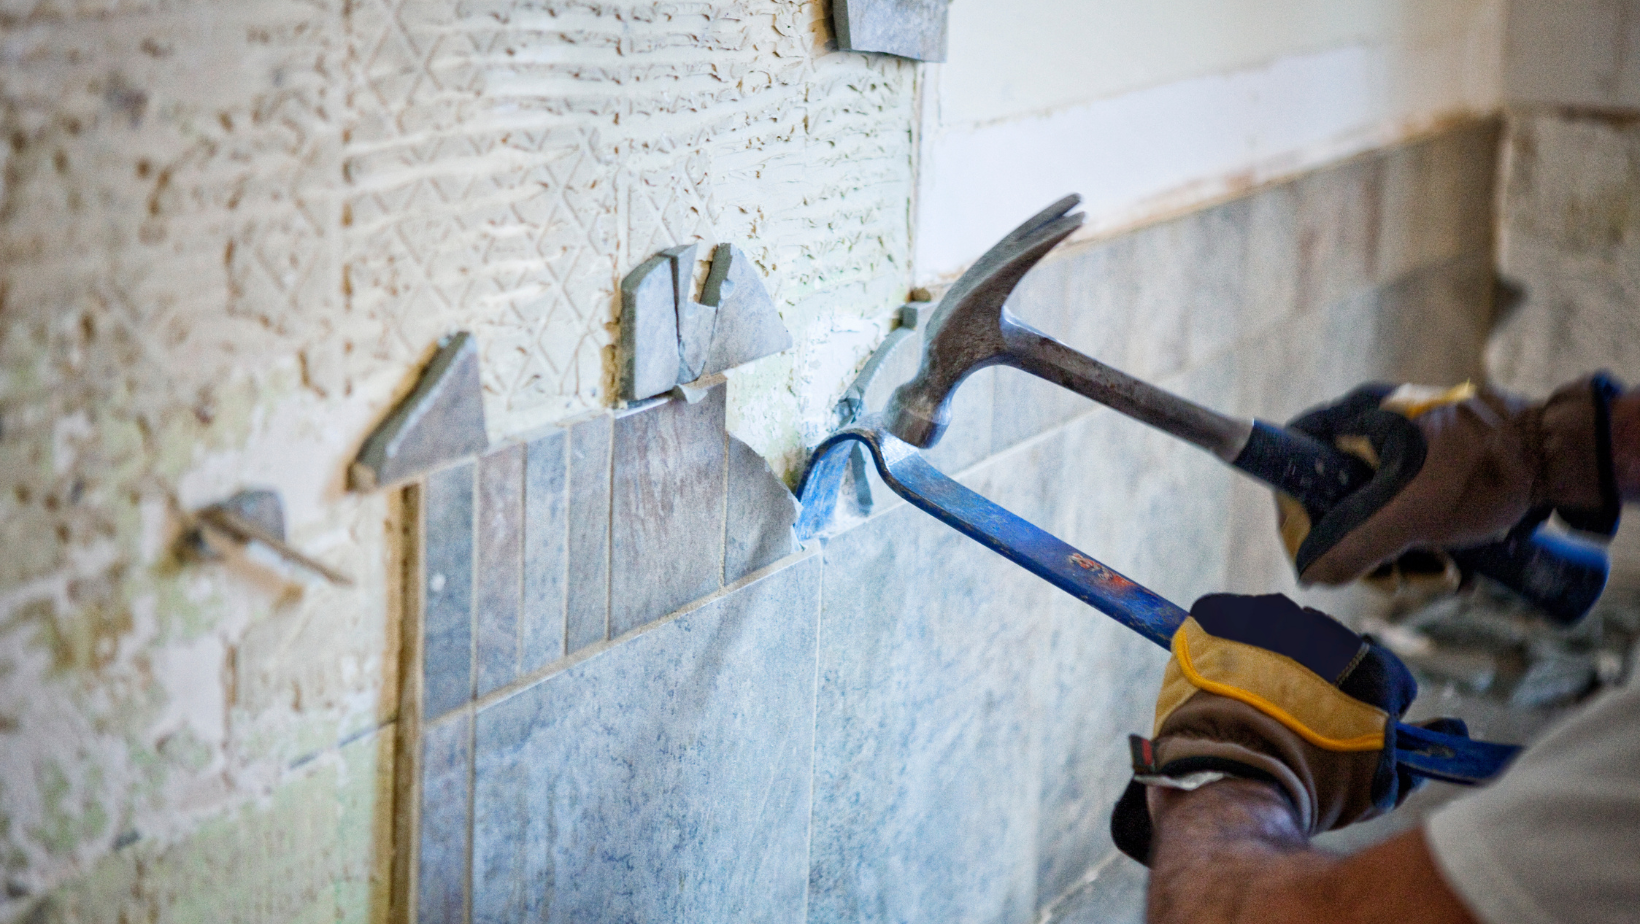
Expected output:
(229, 234)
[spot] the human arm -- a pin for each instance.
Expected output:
(1233, 852)
(1625, 423)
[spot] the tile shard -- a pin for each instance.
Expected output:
(747, 327)
(648, 346)
(695, 320)
(440, 422)
(761, 515)
(913, 29)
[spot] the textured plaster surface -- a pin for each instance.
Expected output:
(229, 235)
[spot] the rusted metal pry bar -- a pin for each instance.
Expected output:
(1426, 753)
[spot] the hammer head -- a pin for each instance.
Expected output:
(966, 332)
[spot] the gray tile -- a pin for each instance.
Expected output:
(1271, 294)
(1338, 231)
(1115, 896)
(1153, 272)
(586, 592)
(439, 422)
(498, 564)
(546, 537)
(913, 29)
(648, 345)
(1215, 274)
(447, 619)
(666, 779)
(1059, 297)
(926, 786)
(666, 535)
(747, 325)
(444, 824)
(760, 512)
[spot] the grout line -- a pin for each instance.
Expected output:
(591, 651)
(473, 686)
(723, 534)
(521, 535)
(473, 562)
(566, 457)
(609, 531)
(1045, 915)
(814, 737)
(406, 839)
(472, 821)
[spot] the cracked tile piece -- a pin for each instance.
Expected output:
(666, 530)
(498, 558)
(546, 539)
(586, 588)
(447, 611)
(666, 779)
(649, 330)
(695, 320)
(748, 327)
(441, 421)
(441, 880)
(909, 28)
(760, 512)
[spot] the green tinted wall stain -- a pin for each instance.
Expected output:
(315, 851)
(67, 825)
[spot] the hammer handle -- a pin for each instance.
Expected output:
(1559, 576)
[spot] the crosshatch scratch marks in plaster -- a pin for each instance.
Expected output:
(228, 227)
(543, 149)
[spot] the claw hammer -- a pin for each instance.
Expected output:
(972, 329)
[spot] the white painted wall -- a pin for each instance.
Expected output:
(1147, 109)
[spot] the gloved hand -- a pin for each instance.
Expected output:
(1261, 688)
(1454, 469)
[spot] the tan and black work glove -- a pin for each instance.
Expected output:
(1454, 468)
(1262, 688)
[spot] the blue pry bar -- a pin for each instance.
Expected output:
(1426, 753)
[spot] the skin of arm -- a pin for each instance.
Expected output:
(1232, 853)
(1625, 422)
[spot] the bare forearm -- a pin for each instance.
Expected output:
(1625, 423)
(1225, 853)
(1232, 852)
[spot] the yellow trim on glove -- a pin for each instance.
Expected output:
(1413, 401)
(1274, 684)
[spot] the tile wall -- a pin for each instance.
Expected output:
(641, 701)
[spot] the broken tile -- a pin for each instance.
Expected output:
(444, 825)
(441, 421)
(649, 330)
(666, 530)
(760, 514)
(695, 320)
(541, 620)
(586, 589)
(498, 560)
(747, 327)
(1554, 680)
(447, 617)
(666, 779)
(913, 29)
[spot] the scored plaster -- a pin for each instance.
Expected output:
(231, 232)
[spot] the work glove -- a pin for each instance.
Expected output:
(1262, 688)
(1454, 468)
